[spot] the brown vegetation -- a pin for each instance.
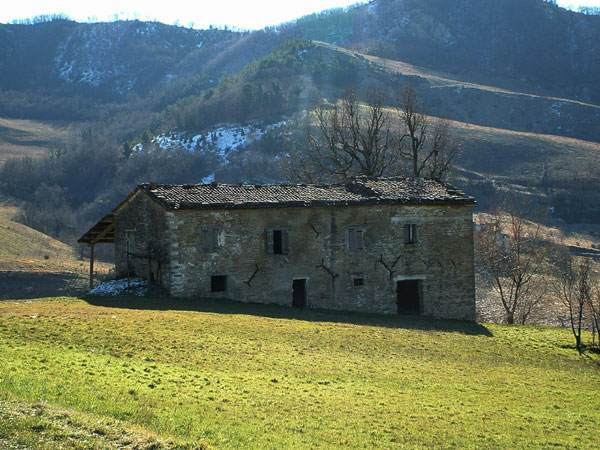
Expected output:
(35, 265)
(31, 138)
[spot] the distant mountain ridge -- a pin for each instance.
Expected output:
(117, 57)
(518, 44)
(508, 43)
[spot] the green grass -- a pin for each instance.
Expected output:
(248, 376)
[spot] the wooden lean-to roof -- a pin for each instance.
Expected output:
(101, 233)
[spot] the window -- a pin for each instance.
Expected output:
(278, 241)
(210, 238)
(358, 280)
(355, 238)
(218, 283)
(410, 234)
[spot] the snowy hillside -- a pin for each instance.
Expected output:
(220, 140)
(224, 145)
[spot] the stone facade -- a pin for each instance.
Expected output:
(142, 240)
(368, 257)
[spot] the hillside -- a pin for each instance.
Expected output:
(497, 107)
(110, 59)
(30, 138)
(291, 78)
(35, 265)
(523, 45)
(225, 375)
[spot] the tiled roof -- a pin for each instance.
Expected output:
(357, 192)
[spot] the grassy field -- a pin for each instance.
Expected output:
(518, 155)
(112, 373)
(20, 138)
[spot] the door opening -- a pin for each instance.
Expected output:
(409, 296)
(299, 293)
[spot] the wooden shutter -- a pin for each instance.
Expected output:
(214, 239)
(414, 234)
(351, 239)
(285, 242)
(206, 246)
(358, 239)
(270, 241)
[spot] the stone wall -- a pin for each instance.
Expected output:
(442, 259)
(146, 255)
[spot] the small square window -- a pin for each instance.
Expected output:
(218, 283)
(358, 281)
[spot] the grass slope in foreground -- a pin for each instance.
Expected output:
(249, 376)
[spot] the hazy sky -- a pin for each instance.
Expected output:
(202, 13)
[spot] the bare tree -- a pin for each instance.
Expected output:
(349, 140)
(513, 252)
(427, 144)
(572, 285)
(594, 306)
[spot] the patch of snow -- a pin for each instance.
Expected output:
(131, 286)
(199, 45)
(148, 28)
(556, 108)
(65, 71)
(301, 53)
(221, 141)
(90, 76)
(209, 179)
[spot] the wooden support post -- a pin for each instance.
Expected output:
(91, 266)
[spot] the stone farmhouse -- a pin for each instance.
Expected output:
(392, 245)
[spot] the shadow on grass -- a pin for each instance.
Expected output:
(223, 306)
(28, 285)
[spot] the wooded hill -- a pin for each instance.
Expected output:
(516, 78)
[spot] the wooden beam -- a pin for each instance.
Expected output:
(107, 230)
(91, 266)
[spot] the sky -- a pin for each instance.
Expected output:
(243, 14)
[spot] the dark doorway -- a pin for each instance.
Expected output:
(299, 293)
(409, 297)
